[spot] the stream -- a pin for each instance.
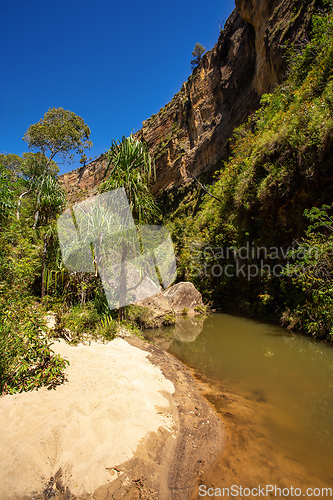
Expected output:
(283, 380)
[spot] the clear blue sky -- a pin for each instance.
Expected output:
(112, 63)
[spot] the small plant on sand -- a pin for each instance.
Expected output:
(108, 328)
(82, 319)
(131, 328)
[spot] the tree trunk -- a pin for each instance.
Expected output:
(44, 266)
(123, 283)
(19, 203)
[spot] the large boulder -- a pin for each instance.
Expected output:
(155, 311)
(184, 298)
(161, 308)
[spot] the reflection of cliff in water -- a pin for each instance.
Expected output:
(186, 329)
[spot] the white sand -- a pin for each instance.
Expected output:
(95, 421)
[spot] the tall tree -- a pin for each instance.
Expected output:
(197, 55)
(13, 164)
(58, 134)
(84, 159)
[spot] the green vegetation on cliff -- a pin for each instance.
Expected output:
(281, 164)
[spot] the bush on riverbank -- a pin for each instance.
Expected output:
(26, 359)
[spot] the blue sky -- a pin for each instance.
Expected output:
(112, 63)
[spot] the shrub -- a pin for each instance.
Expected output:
(313, 276)
(108, 328)
(82, 319)
(169, 319)
(26, 359)
(201, 309)
(140, 316)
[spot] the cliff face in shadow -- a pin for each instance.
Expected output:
(190, 135)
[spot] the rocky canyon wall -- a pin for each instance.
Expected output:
(190, 135)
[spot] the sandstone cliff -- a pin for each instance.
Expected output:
(190, 135)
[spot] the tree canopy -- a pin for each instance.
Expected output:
(58, 133)
(197, 53)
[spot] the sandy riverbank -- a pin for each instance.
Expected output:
(129, 419)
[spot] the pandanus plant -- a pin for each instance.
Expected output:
(50, 201)
(130, 166)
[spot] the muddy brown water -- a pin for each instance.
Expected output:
(276, 386)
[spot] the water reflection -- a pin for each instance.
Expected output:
(186, 329)
(291, 374)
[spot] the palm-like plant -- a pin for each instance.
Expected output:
(50, 198)
(50, 201)
(130, 166)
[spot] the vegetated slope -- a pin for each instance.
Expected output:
(190, 134)
(281, 164)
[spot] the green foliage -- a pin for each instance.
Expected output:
(185, 311)
(169, 319)
(201, 309)
(84, 159)
(108, 329)
(58, 133)
(26, 359)
(139, 316)
(12, 163)
(130, 327)
(84, 322)
(131, 167)
(82, 319)
(197, 53)
(7, 203)
(50, 197)
(30, 199)
(20, 255)
(34, 166)
(313, 275)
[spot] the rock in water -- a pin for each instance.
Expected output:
(182, 296)
(156, 312)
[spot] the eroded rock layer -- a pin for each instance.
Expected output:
(190, 135)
